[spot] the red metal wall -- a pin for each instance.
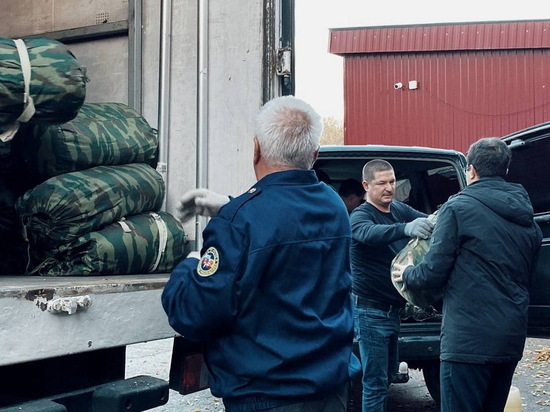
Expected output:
(464, 93)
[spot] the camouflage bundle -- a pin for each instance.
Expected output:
(65, 207)
(144, 243)
(101, 134)
(56, 84)
(418, 247)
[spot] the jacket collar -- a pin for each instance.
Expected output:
(288, 177)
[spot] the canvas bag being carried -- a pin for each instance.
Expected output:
(418, 247)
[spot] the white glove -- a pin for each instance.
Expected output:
(202, 202)
(421, 227)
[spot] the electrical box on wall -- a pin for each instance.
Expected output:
(413, 84)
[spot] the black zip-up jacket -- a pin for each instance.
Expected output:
(482, 252)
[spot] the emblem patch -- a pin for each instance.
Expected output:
(208, 265)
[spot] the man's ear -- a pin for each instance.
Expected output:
(472, 173)
(365, 185)
(257, 151)
(315, 155)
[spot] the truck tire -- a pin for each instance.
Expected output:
(430, 370)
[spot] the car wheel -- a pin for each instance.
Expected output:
(430, 370)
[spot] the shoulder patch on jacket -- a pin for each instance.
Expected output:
(209, 263)
(230, 209)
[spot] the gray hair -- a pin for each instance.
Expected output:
(289, 132)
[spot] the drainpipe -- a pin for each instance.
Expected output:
(135, 57)
(202, 111)
(164, 92)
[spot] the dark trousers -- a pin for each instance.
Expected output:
(470, 387)
(333, 403)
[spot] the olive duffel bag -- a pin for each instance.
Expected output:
(65, 207)
(41, 81)
(146, 243)
(101, 134)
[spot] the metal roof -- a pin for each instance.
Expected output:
(528, 34)
(379, 150)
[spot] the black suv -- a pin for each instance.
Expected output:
(426, 177)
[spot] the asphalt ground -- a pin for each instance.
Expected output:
(532, 378)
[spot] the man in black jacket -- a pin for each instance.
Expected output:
(482, 252)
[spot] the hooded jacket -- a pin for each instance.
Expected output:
(482, 253)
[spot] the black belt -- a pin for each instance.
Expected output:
(386, 307)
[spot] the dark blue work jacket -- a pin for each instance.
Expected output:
(270, 297)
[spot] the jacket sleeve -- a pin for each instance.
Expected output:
(200, 296)
(438, 262)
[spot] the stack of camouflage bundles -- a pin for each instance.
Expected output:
(40, 82)
(97, 212)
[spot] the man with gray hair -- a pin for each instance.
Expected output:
(269, 296)
(482, 253)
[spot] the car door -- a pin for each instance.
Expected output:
(529, 166)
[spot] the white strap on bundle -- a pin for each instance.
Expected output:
(29, 110)
(124, 226)
(163, 239)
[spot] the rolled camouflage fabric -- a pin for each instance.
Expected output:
(144, 243)
(418, 247)
(67, 206)
(101, 134)
(57, 82)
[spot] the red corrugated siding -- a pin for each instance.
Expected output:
(461, 96)
(531, 34)
(475, 80)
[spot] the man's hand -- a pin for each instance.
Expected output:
(421, 227)
(397, 273)
(202, 202)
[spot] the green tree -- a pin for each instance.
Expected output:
(333, 131)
